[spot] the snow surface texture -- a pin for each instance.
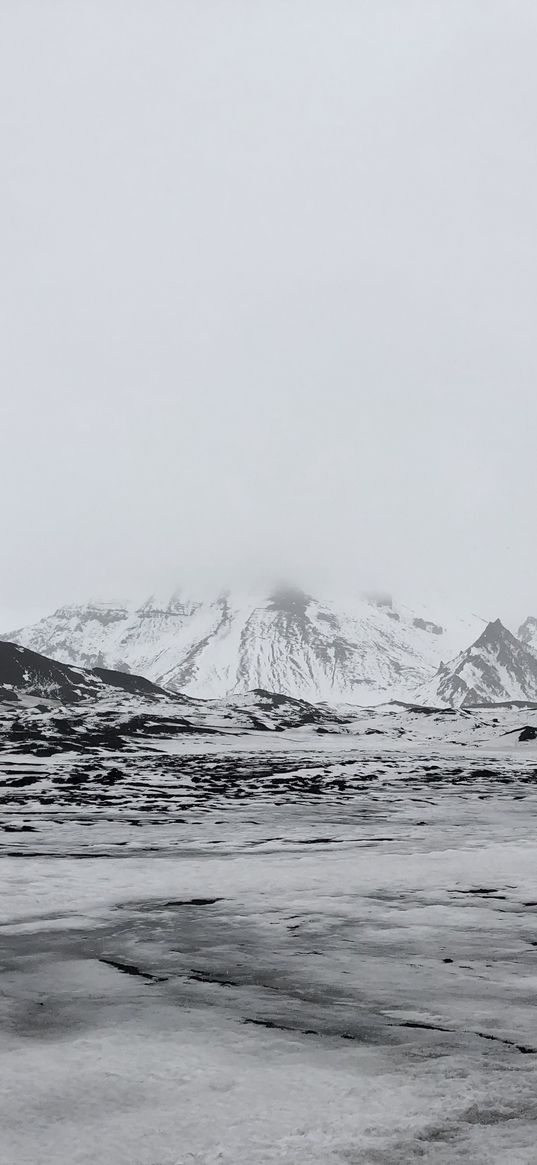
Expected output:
(251, 947)
(257, 930)
(357, 649)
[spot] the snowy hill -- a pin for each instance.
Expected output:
(359, 649)
(497, 667)
(48, 709)
(29, 673)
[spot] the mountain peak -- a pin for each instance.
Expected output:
(495, 632)
(496, 668)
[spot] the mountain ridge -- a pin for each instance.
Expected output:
(497, 667)
(496, 671)
(361, 649)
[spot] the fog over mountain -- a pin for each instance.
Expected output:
(285, 641)
(267, 295)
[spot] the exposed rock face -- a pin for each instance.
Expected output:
(33, 674)
(29, 673)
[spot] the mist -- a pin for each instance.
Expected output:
(267, 299)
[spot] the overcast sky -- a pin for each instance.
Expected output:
(268, 289)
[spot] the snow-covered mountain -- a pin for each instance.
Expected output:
(497, 667)
(527, 633)
(51, 710)
(359, 650)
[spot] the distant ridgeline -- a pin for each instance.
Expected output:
(360, 650)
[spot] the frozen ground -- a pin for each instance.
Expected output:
(308, 955)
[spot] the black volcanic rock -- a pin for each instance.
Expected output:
(25, 671)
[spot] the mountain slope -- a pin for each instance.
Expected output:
(285, 641)
(82, 701)
(497, 667)
(30, 673)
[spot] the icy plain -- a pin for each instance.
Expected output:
(327, 956)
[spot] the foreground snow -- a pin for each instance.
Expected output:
(309, 974)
